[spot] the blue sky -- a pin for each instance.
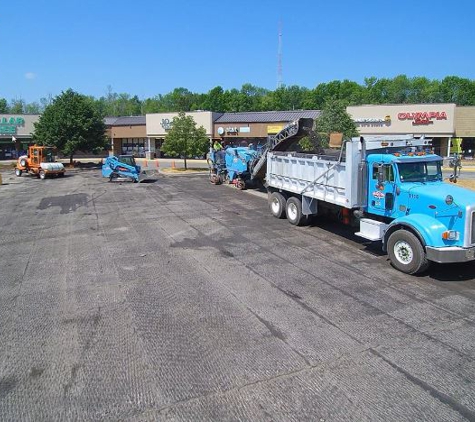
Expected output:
(149, 47)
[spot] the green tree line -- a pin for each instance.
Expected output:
(398, 90)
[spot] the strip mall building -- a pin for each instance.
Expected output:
(443, 123)
(16, 134)
(144, 135)
(435, 121)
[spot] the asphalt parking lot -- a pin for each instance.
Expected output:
(180, 300)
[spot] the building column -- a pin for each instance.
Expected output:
(150, 149)
(111, 152)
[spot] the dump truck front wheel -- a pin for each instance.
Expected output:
(406, 252)
(42, 175)
(18, 172)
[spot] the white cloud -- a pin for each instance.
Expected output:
(30, 75)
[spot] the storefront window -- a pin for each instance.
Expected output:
(133, 146)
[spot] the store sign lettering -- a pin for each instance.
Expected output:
(166, 124)
(232, 130)
(423, 117)
(373, 121)
(9, 125)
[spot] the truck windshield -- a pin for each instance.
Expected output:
(426, 171)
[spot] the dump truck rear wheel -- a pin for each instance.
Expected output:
(293, 211)
(240, 184)
(42, 175)
(406, 252)
(23, 162)
(277, 204)
(18, 172)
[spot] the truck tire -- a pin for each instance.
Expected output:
(42, 175)
(277, 204)
(406, 252)
(23, 162)
(293, 210)
(240, 184)
(18, 172)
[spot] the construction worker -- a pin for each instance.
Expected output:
(217, 145)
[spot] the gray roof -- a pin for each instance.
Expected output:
(125, 121)
(109, 121)
(130, 121)
(267, 116)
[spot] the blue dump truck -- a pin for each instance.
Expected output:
(390, 188)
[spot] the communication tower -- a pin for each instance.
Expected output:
(279, 58)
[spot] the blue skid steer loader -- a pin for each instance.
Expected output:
(123, 166)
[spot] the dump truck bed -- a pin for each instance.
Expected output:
(336, 176)
(322, 177)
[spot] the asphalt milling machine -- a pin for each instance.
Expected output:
(246, 166)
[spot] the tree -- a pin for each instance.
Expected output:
(3, 105)
(215, 100)
(457, 90)
(17, 106)
(185, 139)
(180, 99)
(33, 108)
(334, 118)
(71, 123)
(285, 98)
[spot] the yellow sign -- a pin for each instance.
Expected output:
(273, 129)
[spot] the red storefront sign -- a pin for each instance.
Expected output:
(423, 117)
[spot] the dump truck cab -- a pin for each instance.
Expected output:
(408, 191)
(393, 176)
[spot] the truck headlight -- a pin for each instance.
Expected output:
(451, 235)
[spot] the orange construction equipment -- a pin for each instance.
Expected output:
(40, 162)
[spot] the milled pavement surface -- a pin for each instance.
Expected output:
(180, 300)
